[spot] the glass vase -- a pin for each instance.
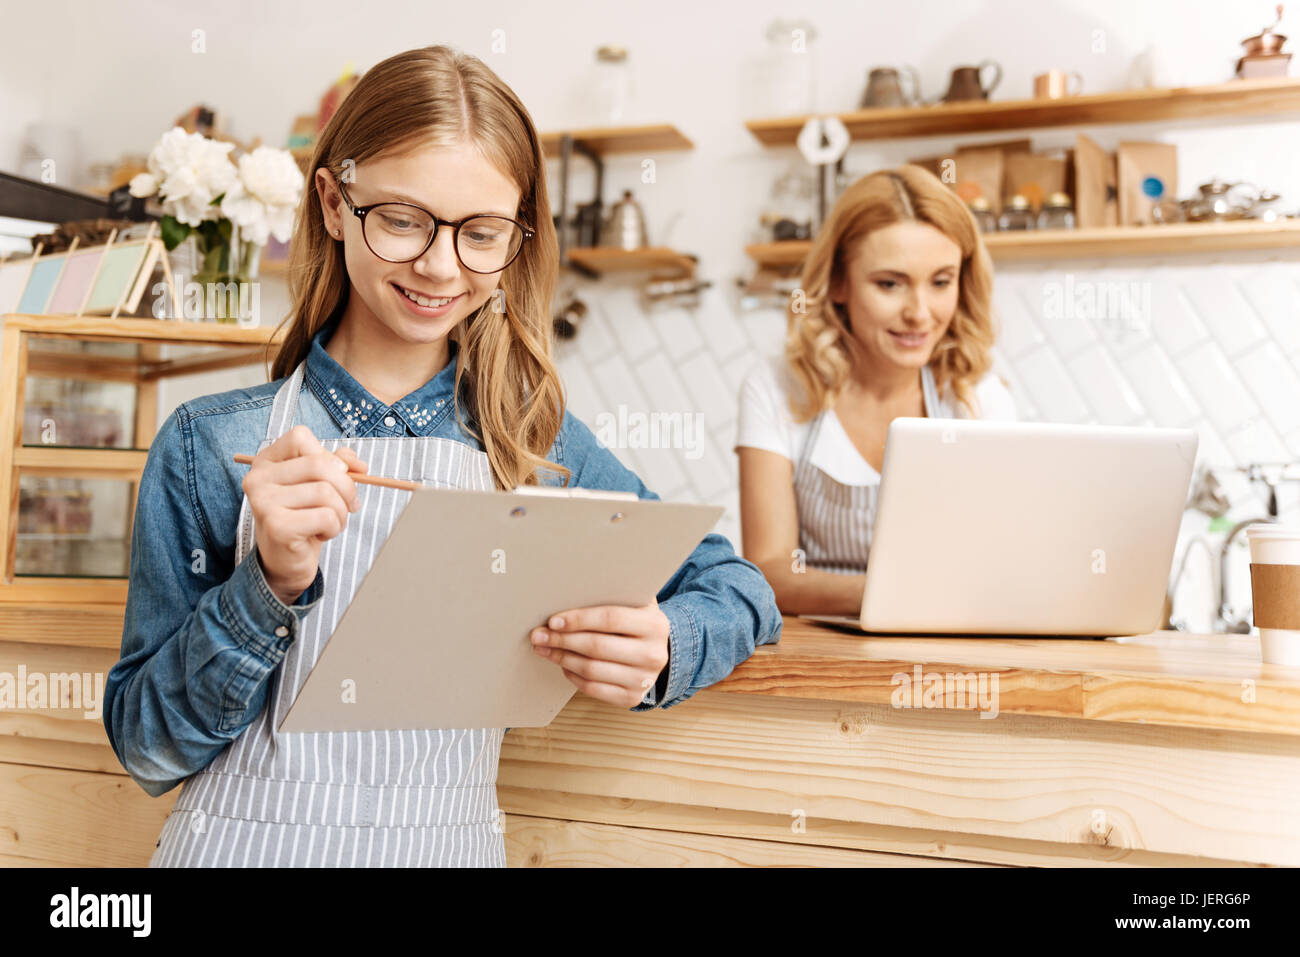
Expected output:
(215, 280)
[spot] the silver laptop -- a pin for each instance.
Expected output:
(1024, 528)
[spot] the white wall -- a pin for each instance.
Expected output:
(1225, 342)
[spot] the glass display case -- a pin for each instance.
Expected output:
(79, 412)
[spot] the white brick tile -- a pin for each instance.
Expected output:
(678, 331)
(1173, 323)
(662, 385)
(1125, 303)
(708, 473)
(1019, 331)
(722, 331)
(1216, 386)
(628, 323)
(1049, 386)
(593, 341)
(1257, 441)
(1063, 303)
(1211, 452)
(581, 391)
(1104, 388)
(1275, 385)
(1158, 384)
(1273, 293)
(709, 390)
(659, 469)
(1224, 310)
(617, 385)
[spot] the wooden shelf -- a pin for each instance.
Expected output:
(1142, 240)
(1030, 245)
(779, 255)
(175, 331)
(600, 260)
(620, 139)
(1258, 97)
(80, 462)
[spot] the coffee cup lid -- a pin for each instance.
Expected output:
(1272, 530)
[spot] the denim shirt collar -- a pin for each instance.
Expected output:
(359, 413)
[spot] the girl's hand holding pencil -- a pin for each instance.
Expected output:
(301, 496)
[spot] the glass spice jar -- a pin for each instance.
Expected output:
(1016, 214)
(1057, 213)
(984, 218)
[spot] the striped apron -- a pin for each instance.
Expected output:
(410, 798)
(835, 519)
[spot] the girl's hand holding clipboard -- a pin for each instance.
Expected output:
(301, 496)
(611, 652)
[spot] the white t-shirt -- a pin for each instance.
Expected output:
(766, 422)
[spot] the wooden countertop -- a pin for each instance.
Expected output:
(1166, 677)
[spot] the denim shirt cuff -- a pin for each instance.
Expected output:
(256, 613)
(683, 645)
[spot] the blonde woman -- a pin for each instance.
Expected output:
(892, 319)
(424, 262)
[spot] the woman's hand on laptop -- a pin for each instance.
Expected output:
(611, 652)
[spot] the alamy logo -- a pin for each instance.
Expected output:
(966, 690)
(654, 430)
(1124, 307)
(102, 910)
(39, 691)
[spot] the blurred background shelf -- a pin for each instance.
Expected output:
(1237, 98)
(599, 260)
(605, 141)
(1030, 245)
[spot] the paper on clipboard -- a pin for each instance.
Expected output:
(436, 635)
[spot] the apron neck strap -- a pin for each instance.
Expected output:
(285, 407)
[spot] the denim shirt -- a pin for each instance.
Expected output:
(202, 636)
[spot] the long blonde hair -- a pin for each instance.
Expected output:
(817, 328)
(505, 376)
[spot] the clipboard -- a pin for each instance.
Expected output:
(437, 633)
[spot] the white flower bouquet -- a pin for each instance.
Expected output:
(224, 206)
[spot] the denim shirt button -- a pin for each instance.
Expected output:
(389, 421)
(281, 632)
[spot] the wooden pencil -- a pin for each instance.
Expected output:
(356, 477)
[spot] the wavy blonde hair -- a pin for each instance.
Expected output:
(817, 328)
(505, 376)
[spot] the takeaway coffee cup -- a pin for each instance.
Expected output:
(1275, 590)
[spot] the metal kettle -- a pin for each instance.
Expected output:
(624, 227)
(1220, 200)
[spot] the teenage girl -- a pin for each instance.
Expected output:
(424, 262)
(895, 320)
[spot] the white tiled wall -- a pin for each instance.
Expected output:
(1218, 351)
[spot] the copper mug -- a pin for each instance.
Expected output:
(1055, 84)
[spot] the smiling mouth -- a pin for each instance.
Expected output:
(428, 302)
(910, 336)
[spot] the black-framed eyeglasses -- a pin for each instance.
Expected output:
(402, 232)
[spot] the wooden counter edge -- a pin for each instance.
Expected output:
(1250, 697)
(1231, 701)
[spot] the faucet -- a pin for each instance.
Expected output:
(1224, 619)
